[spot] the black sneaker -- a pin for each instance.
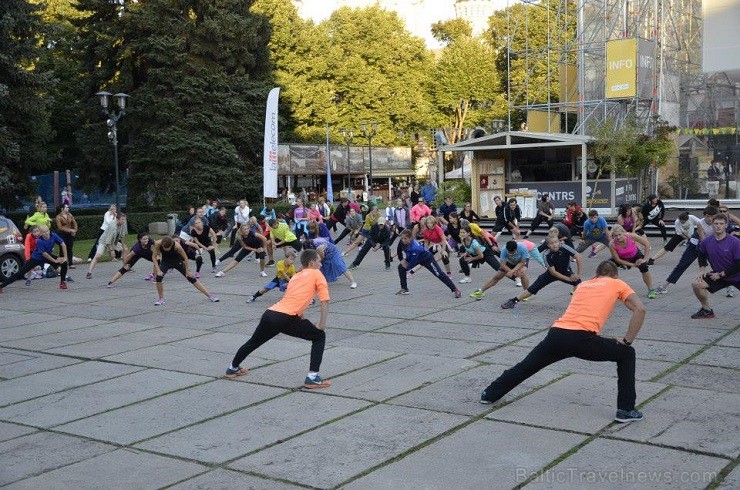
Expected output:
(484, 398)
(623, 416)
(703, 314)
(509, 304)
(651, 261)
(352, 267)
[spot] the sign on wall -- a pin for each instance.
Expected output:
(621, 68)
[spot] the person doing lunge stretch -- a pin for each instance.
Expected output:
(168, 254)
(514, 261)
(287, 317)
(415, 254)
(576, 334)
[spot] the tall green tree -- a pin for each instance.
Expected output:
(197, 73)
(24, 115)
(464, 87)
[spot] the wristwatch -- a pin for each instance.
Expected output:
(626, 342)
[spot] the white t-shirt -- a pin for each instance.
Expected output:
(687, 229)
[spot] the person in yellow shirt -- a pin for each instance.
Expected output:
(284, 271)
(282, 236)
(576, 334)
(287, 317)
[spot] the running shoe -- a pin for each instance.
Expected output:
(89, 275)
(652, 294)
(457, 293)
(263, 273)
(213, 299)
(110, 285)
(518, 282)
(449, 274)
(316, 382)
(149, 277)
(214, 270)
(729, 292)
(478, 294)
(235, 373)
(703, 314)
(403, 292)
(651, 261)
(63, 285)
(387, 267)
(251, 299)
(197, 275)
(159, 302)
(220, 274)
(352, 267)
(218, 261)
(623, 416)
(353, 285)
(69, 279)
(271, 263)
(509, 304)
(28, 282)
(661, 290)
(465, 280)
(484, 398)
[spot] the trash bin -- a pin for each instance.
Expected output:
(171, 223)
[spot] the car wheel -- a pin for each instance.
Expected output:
(9, 265)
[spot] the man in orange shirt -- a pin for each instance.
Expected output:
(575, 334)
(287, 316)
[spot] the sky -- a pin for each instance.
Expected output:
(419, 15)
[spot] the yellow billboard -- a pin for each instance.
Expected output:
(621, 68)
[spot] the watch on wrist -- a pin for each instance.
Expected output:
(626, 342)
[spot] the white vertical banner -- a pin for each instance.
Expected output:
(270, 153)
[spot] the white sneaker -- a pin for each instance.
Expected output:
(353, 285)
(518, 282)
(729, 292)
(218, 262)
(465, 279)
(263, 273)
(220, 274)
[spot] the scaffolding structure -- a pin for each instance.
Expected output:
(676, 91)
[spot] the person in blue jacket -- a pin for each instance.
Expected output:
(415, 254)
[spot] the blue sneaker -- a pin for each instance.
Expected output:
(484, 398)
(316, 382)
(623, 416)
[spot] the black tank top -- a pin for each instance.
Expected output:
(170, 256)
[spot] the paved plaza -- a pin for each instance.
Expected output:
(100, 388)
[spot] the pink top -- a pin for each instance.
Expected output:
(628, 251)
(628, 222)
(300, 213)
(418, 211)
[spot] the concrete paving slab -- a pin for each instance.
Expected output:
(416, 345)
(103, 347)
(236, 434)
(150, 418)
(34, 454)
(336, 362)
(496, 454)
(60, 379)
(732, 480)
(687, 332)
(30, 318)
(46, 328)
(728, 357)
(608, 464)
(731, 340)
(228, 480)
(182, 318)
(17, 363)
(11, 431)
(396, 376)
(124, 469)
(106, 312)
(363, 323)
(353, 444)
(461, 393)
(682, 417)
(76, 403)
(484, 318)
(459, 330)
(589, 400)
(689, 375)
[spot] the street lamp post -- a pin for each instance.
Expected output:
(368, 131)
(112, 122)
(347, 134)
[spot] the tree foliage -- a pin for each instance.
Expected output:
(449, 31)
(197, 75)
(24, 116)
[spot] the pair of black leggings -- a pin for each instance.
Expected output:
(28, 266)
(273, 323)
(561, 344)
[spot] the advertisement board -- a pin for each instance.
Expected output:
(621, 68)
